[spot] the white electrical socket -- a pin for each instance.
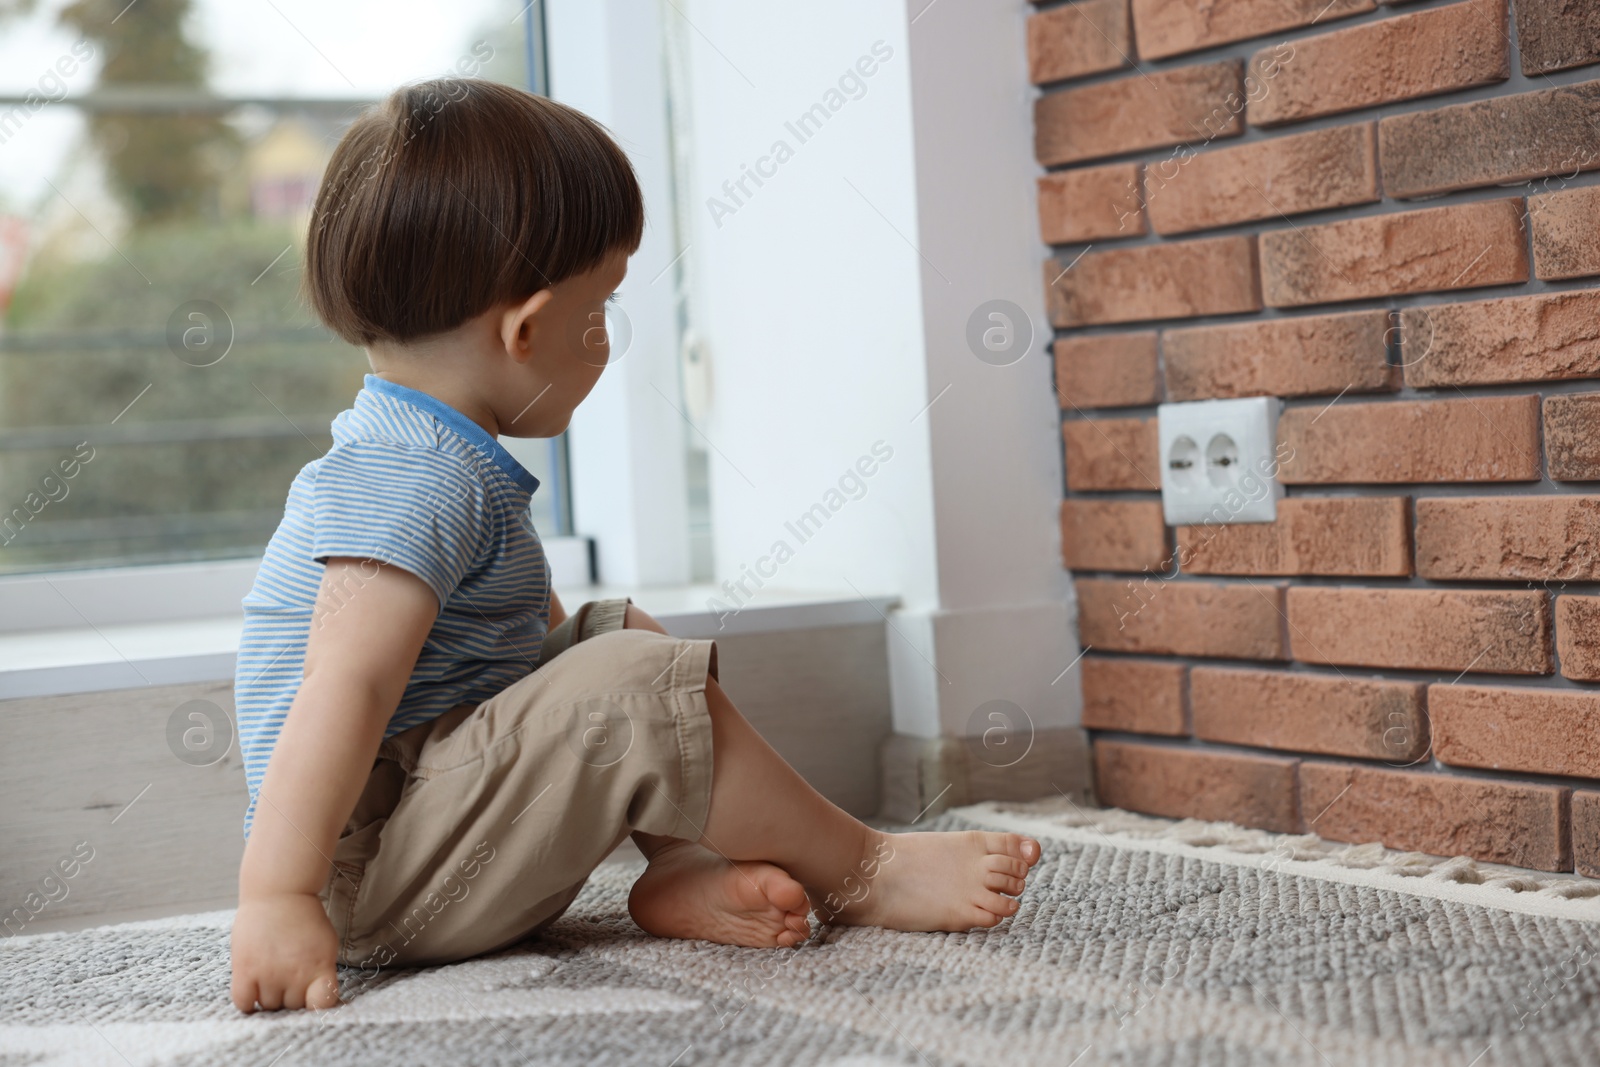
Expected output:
(1219, 461)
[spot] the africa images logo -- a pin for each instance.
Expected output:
(852, 85)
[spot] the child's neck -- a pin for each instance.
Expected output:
(448, 367)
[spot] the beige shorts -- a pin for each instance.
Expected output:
(480, 827)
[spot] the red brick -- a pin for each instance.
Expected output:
(1321, 713)
(1586, 833)
(1491, 142)
(1190, 783)
(1513, 339)
(1087, 37)
(1139, 696)
(1402, 58)
(1481, 439)
(1443, 814)
(1572, 436)
(1500, 632)
(1179, 617)
(1538, 731)
(1172, 27)
(1566, 233)
(1152, 110)
(1107, 370)
(1280, 357)
(1264, 179)
(1457, 247)
(1484, 439)
(1509, 538)
(1104, 454)
(1557, 34)
(1578, 638)
(1366, 536)
(1172, 281)
(1114, 535)
(1090, 203)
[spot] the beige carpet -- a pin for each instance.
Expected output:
(1139, 941)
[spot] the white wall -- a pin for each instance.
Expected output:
(834, 299)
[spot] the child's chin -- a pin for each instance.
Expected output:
(549, 428)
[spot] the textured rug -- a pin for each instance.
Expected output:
(1139, 941)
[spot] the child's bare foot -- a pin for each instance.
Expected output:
(691, 892)
(935, 881)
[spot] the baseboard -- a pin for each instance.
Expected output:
(95, 780)
(98, 778)
(924, 776)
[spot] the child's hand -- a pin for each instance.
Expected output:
(284, 954)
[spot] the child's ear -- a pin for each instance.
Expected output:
(520, 322)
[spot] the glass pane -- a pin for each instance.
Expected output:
(693, 365)
(161, 380)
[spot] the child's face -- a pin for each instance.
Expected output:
(570, 347)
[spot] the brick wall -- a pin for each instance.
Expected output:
(1388, 215)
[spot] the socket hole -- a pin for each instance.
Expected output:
(1222, 460)
(1184, 461)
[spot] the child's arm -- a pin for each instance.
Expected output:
(366, 633)
(558, 614)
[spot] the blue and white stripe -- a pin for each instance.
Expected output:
(412, 482)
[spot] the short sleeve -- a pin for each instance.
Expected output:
(421, 510)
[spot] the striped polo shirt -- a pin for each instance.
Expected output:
(412, 482)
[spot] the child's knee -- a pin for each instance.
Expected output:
(637, 618)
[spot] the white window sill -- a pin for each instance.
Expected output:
(178, 652)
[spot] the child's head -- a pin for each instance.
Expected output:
(464, 205)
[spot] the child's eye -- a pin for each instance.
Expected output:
(612, 299)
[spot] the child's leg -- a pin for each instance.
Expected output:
(762, 810)
(750, 903)
(481, 826)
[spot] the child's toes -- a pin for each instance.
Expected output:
(996, 904)
(785, 893)
(762, 885)
(1003, 883)
(1006, 865)
(1016, 846)
(1025, 849)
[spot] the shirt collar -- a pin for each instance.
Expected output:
(474, 434)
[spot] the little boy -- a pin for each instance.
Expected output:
(438, 754)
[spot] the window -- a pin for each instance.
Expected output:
(161, 381)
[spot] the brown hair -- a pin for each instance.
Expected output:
(455, 195)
